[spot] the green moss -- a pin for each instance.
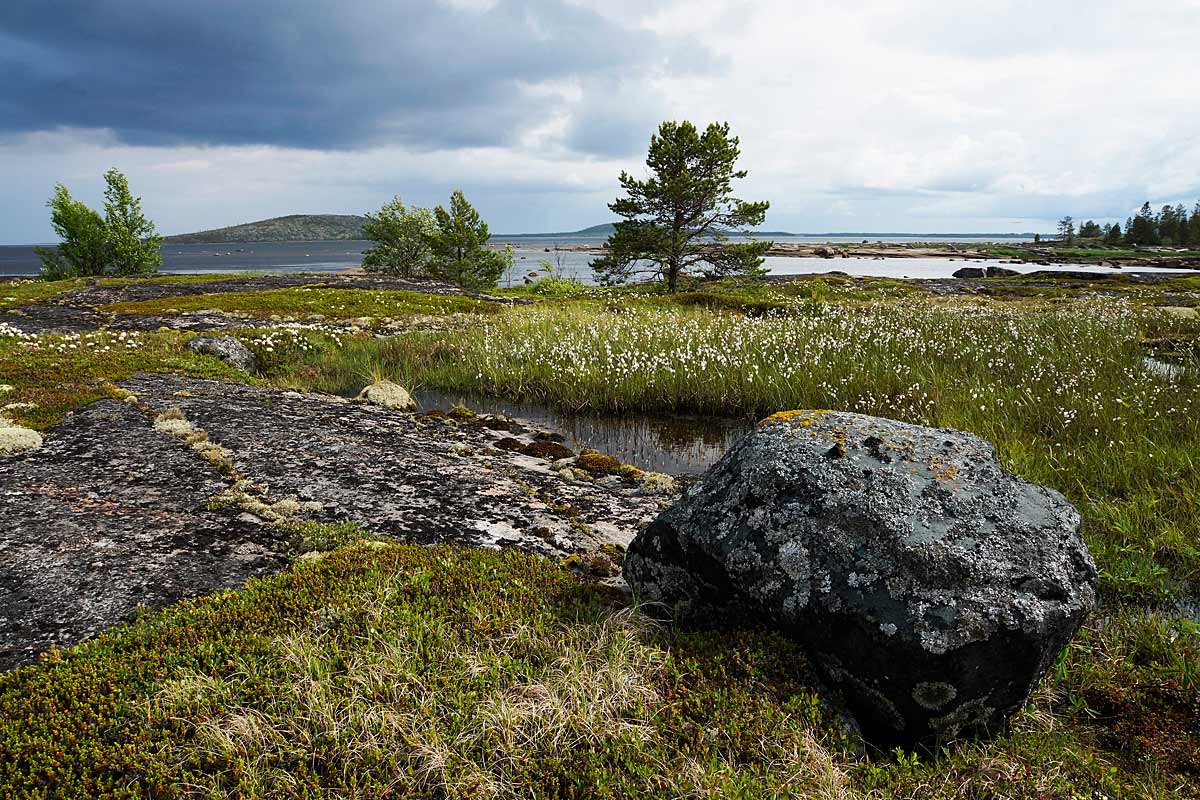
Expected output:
(599, 463)
(308, 300)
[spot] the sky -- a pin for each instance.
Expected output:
(920, 116)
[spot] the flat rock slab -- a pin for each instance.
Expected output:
(112, 514)
(107, 516)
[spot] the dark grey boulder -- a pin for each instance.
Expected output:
(970, 272)
(1001, 272)
(226, 348)
(931, 586)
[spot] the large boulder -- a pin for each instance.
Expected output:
(226, 348)
(934, 588)
(970, 272)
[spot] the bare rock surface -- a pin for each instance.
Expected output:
(931, 586)
(112, 514)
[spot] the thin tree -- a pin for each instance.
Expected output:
(676, 221)
(1066, 230)
(132, 243)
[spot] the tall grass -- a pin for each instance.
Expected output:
(1062, 391)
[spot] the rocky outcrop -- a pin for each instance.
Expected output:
(130, 502)
(226, 348)
(931, 586)
(970, 272)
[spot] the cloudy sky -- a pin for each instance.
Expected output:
(874, 116)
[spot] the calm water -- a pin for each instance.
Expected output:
(531, 252)
(334, 256)
(676, 445)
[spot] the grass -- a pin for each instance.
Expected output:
(305, 301)
(447, 673)
(415, 672)
(51, 375)
(400, 671)
(21, 292)
(1062, 391)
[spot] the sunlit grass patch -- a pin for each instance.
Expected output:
(423, 672)
(52, 374)
(21, 292)
(304, 301)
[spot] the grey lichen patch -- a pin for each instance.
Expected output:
(934, 695)
(15, 439)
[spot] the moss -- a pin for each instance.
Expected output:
(462, 414)
(551, 451)
(599, 464)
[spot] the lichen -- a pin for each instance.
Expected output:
(14, 439)
(801, 417)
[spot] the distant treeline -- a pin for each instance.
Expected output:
(1170, 226)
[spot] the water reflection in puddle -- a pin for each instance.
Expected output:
(676, 445)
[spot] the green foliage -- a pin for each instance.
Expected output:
(306, 301)
(402, 240)
(131, 242)
(81, 230)
(403, 671)
(675, 222)
(122, 242)
(460, 253)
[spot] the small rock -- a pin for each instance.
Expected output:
(389, 395)
(226, 348)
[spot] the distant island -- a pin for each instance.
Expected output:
(292, 228)
(340, 227)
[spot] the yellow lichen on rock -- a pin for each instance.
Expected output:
(803, 417)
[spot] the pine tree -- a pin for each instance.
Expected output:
(1142, 229)
(675, 222)
(459, 247)
(1066, 230)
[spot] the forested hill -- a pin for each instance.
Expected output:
(292, 228)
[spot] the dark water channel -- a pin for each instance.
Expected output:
(676, 445)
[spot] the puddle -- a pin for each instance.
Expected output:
(676, 445)
(1163, 369)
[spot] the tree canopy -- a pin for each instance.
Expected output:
(122, 242)
(459, 246)
(676, 222)
(448, 245)
(402, 239)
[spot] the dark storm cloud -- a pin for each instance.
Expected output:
(304, 73)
